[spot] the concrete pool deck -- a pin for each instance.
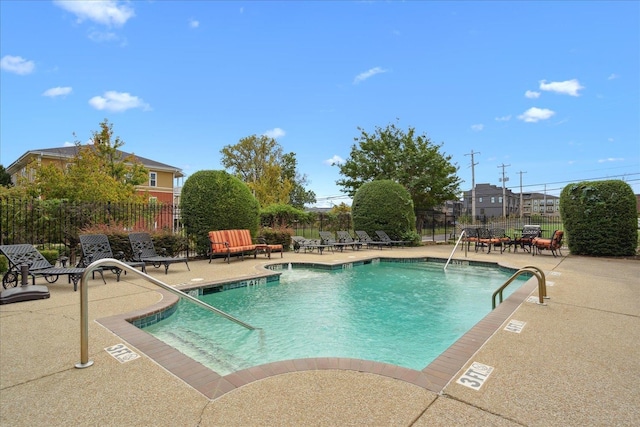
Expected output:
(575, 361)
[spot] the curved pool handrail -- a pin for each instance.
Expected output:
(542, 287)
(84, 303)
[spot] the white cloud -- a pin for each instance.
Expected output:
(567, 87)
(105, 12)
(535, 114)
(17, 64)
(610, 139)
(611, 159)
(370, 73)
(117, 102)
(613, 76)
(532, 94)
(477, 128)
(103, 36)
(194, 23)
(335, 160)
(69, 144)
(57, 91)
(503, 118)
(275, 133)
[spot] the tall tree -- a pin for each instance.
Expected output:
(97, 172)
(299, 196)
(406, 158)
(5, 178)
(271, 175)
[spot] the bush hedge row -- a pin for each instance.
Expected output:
(600, 218)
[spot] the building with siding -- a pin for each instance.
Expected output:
(489, 203)
(162, 186)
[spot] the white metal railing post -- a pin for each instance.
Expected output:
(454, 249)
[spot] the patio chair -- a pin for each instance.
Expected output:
(328, 239)
(345, 237)
(96, 247)
(268, 248)
(483, 239)
(499, 238)
(308, 245)
(553, 244)
(144, 251)
(529, 232)
(365, 239)
(19, 255)
(470, 236)
(384, 237)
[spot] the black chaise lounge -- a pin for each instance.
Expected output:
(384, 237)
(345, 237)
(328, 239)
(308, 245)
(365, 239)
(25, 254)
(96, 247)
(144, 251)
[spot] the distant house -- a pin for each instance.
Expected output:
(162, 185)
(489, 203)
(540, 204)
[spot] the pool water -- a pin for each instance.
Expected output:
(400, 313)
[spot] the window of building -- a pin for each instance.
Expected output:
(480, 199)
(153, 179)
(493, 199)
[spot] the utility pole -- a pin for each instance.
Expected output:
(504, 190)
(473, 188)
(521, 201)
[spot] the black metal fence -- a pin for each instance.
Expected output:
(59, 223)
(55, 224)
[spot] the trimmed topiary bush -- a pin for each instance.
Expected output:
(384, 205)
(216, 200)
(600, 218)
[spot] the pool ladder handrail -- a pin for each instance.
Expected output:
(454, 250)
(542, 284)
(84, 303)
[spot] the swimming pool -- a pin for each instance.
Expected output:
(404, 314)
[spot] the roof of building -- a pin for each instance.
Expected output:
(68, 152)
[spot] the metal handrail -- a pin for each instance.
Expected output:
(542, 286)
(84, 303)
(543, 292)
(454, 249)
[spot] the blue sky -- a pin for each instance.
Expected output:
(551, 89)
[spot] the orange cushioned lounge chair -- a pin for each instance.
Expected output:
(553, 244)
(230, 242)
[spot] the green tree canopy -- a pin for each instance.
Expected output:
(271, 175)
(299, 195)
(411, 160)
(5, 178)
(385, 205)
(97, 172)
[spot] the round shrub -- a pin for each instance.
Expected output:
(216, 200)
(600, 218)
(384, 205)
